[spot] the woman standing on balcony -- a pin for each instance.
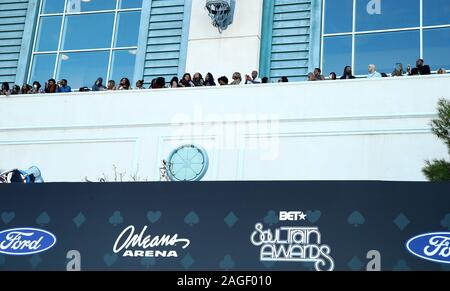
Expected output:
(398, 70)
(209, 80)
(237, 79)
(187, 81)
(111, 85)
(98, 86)
(5, 89)
(198, 80)
(174, 83)
(139, 85)
(124, 84)
(347, 73)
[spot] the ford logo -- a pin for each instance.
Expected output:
(25, 241)
(431, 246)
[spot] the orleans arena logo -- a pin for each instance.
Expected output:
(134, 244)
(293, 244)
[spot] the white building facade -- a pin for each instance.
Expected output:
(332, 130)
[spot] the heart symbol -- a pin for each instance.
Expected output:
(313, 215)
(110, 259)
(153, 216)
(7, 217)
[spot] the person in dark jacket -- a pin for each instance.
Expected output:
(283, 79)
(198, 80)
(347, 73)
(186, 81)
(209, 80)
(318, 74)
(98, 86)
(160, 83)
(223, 81)
(174, 83)
(37, 88)
(26, 88)
(15, 90)
(420, 69)
(5, 89)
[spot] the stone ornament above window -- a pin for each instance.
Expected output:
(221, 13)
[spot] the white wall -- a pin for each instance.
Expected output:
(332, 130)
(235, 50)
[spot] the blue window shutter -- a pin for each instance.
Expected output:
(162, 52)
(13, 19)
(290, 44)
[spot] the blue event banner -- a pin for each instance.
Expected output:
(226, 226)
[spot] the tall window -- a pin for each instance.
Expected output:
(384, 32)
(81, 40)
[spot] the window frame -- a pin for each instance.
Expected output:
(354, 33)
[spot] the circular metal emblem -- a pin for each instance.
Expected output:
(187, 163)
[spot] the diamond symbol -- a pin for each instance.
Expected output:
(355, 264)
(231, 219)
(79, 219)
(187, 261)
(401, 221)
(35, 261)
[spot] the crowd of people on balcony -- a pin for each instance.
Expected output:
(51, 86)
(372, 73)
